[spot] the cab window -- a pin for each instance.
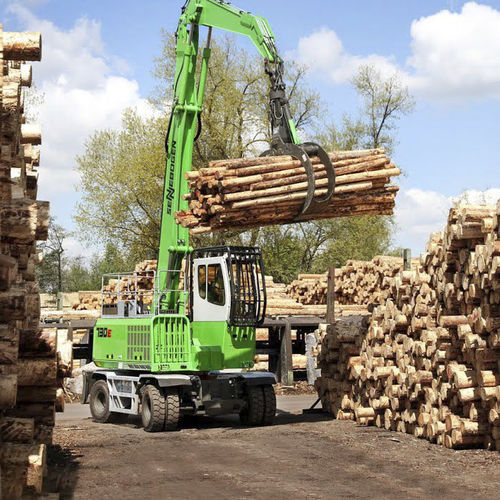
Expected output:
(202, 281)
(215, 285)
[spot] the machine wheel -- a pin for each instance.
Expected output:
(99, 402)
(253, 414)
(269, 404)
(172, 409)
(152, 409)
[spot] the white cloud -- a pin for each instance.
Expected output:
(454, 55)
(84, 90)
(457, 54)
(420, 212)
(323, 53)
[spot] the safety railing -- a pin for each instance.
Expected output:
(128, 294)
(138, 294)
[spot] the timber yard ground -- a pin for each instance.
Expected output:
(301, 456)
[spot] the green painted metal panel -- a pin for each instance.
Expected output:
(171, 343)
(156, 343)
(236, 345)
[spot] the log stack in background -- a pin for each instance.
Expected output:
(280, 303)
(427, 361)
(254, 192)
(29, 369)
(358, 282)
(127, 285)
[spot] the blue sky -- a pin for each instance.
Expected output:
(98, 58)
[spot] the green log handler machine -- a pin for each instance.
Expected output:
(188, 347)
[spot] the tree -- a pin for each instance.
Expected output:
(313, 246)
(50, 273)
(360, 237)
(385, 101)
(122, 172)
(80, 274)
(282, 251)
(122, 176)
(61, 273)
(318, 244)
(78, 277)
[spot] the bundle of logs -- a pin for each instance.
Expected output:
(29, 369)
(427, 360)
(254, 192)
(358, 282)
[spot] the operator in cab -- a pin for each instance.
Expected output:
(215, 293)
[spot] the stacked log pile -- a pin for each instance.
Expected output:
(428, 360)
(309, 288)
(358, 282)
(254, 192)
(29, 368)
(142, 282)
(279, 303)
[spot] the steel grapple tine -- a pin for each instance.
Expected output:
(315, 149)
(301, 152)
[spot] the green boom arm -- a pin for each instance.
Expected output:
(186, 107)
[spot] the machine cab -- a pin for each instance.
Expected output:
(211, 301)
(227, 284)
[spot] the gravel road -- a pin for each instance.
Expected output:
(302, 456)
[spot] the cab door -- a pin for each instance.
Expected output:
(211, 291)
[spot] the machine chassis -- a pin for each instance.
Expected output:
(211, 394)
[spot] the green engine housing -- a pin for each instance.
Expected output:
(172, 343)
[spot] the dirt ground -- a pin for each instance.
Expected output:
(302, 456)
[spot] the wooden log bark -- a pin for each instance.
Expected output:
(17, 430)
(37, 371)
(26, 416)
(222, 195)
(8, 390)
(9, 344)
(8, 271)
(432, 341)
(24, 221)
(42, 413)
(22, 46)
(31, 133)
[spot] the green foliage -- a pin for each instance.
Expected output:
(50, 272)
(349, 135)
(60, 273)
(359, 237)
(235, 108)
(282, 250)
(80, 275)
(312, 247)
(122, 185)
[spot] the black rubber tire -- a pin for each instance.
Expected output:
(172, 409)
(253, 413)
(269, 404)
(152, 409)
(99, 402)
